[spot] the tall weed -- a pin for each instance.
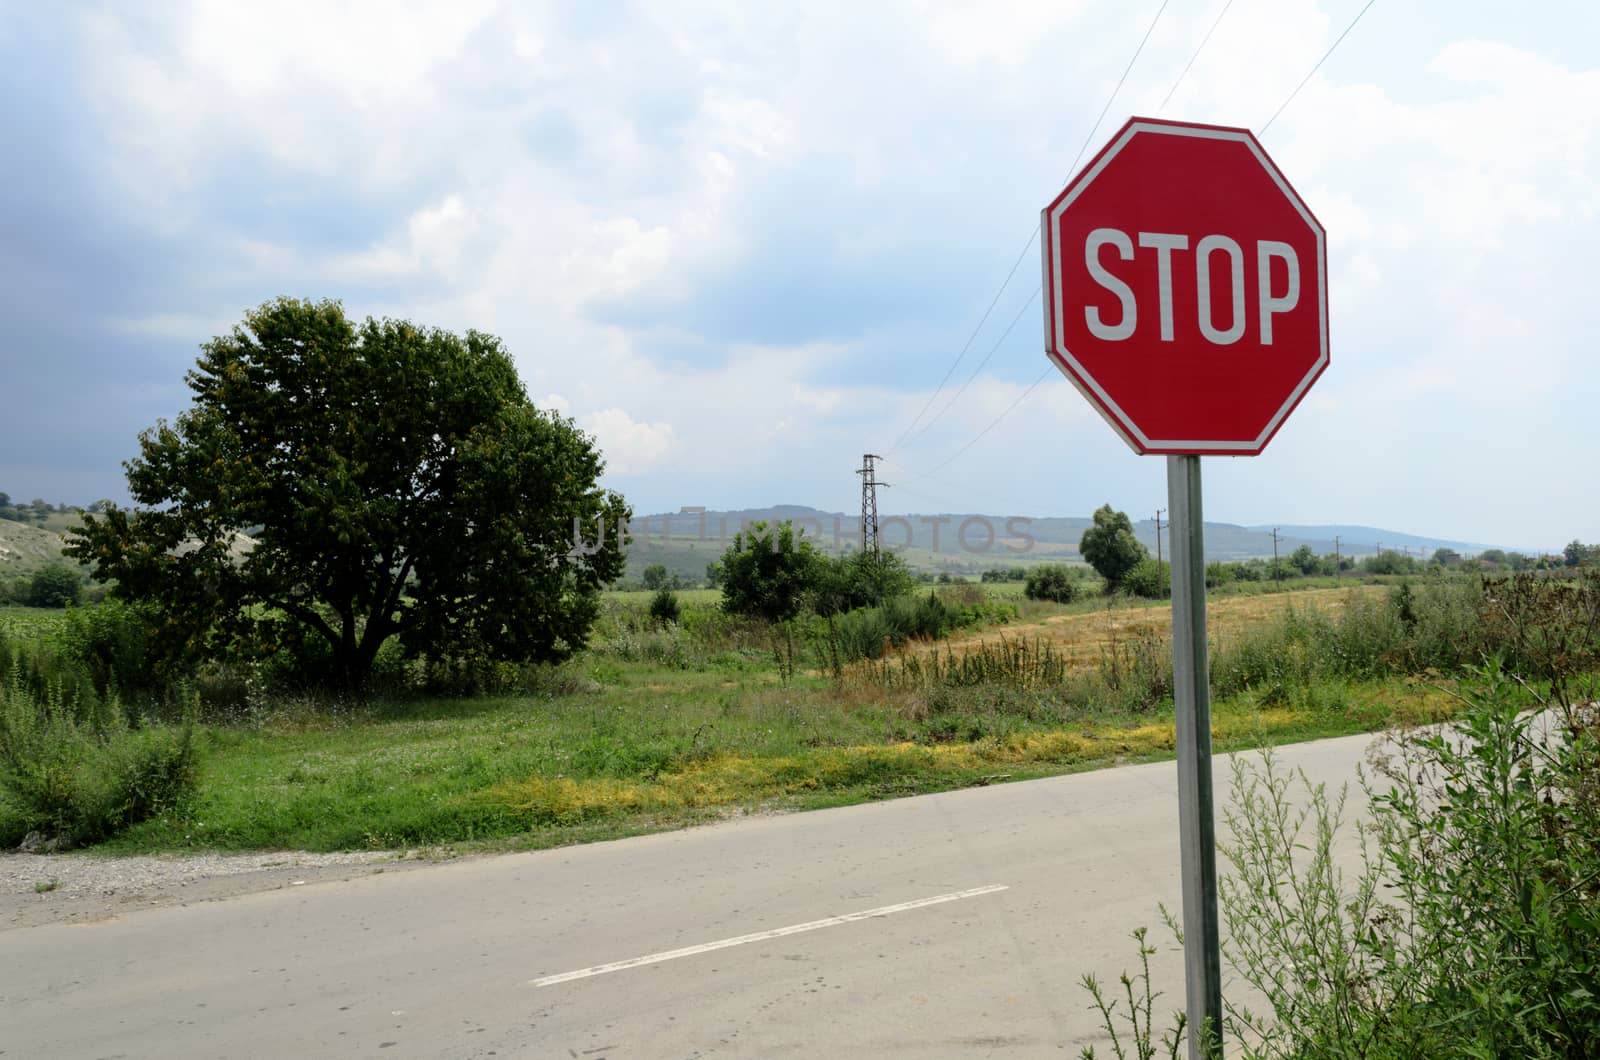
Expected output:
(1473, 925)
(75, 772)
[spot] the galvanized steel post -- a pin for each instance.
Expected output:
(1191, 671)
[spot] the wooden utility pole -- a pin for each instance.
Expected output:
(1159, 513)
(1277, 571)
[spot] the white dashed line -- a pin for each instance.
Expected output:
(762, 936)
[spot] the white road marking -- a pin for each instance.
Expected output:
(762, 936)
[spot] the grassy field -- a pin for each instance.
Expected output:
(652, 750)
(657, 727)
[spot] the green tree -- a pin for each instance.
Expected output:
(393, 480)
(1389, 562)
(714, 574)
(656, 576)
(1304, 560)
(1110, 547)
(1577, 553)
(1051, 581)
(54, 586)
(768, 572)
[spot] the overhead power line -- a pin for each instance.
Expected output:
(1032, 235)
(968, 344)
(947, 461)
(1187, 66)
(976, 371)
(1281, 108)
(1339, 40)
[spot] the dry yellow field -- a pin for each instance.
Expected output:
(1083, 638)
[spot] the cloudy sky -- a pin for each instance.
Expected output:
(743, 243)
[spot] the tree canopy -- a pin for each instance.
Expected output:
(350, 483)
(768, 571)
(1110, 547)
(54, 586)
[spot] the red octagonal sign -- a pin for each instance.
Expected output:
(1186, 289)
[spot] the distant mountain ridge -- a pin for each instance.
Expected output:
(973, 541)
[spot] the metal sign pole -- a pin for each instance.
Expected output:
(1191, 675)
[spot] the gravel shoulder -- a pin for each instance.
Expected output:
(40, 889)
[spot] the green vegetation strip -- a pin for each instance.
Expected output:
(510, 773)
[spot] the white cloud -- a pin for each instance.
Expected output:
(434, 240)
(630, 447)
(1461, 207)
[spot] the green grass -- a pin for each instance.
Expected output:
(640, 598)
(652, 749)
(31, 623)
(656, 727)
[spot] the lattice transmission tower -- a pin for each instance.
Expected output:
(869, 503)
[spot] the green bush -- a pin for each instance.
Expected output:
(1051, 581)
(867, 632)
(1149, 578)
(1473, 929)
(116, 642)
(54, 586)
(858, 580)
(664, 607)
(78, 774)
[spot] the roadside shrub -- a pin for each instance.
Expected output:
(664, 607)
(1149, 578)
(1473, 928)
(1051, 581)
(115, 641)
(81, 775)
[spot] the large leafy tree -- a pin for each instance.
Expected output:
(353, 483)
(1110, 547)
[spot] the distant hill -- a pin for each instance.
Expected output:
(25, 548)
(685, 542)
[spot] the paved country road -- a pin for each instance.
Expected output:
(945, 925)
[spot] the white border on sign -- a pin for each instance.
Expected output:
(1056, 344)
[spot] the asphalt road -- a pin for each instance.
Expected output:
(1037, 882)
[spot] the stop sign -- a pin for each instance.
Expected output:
(1186, 289)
